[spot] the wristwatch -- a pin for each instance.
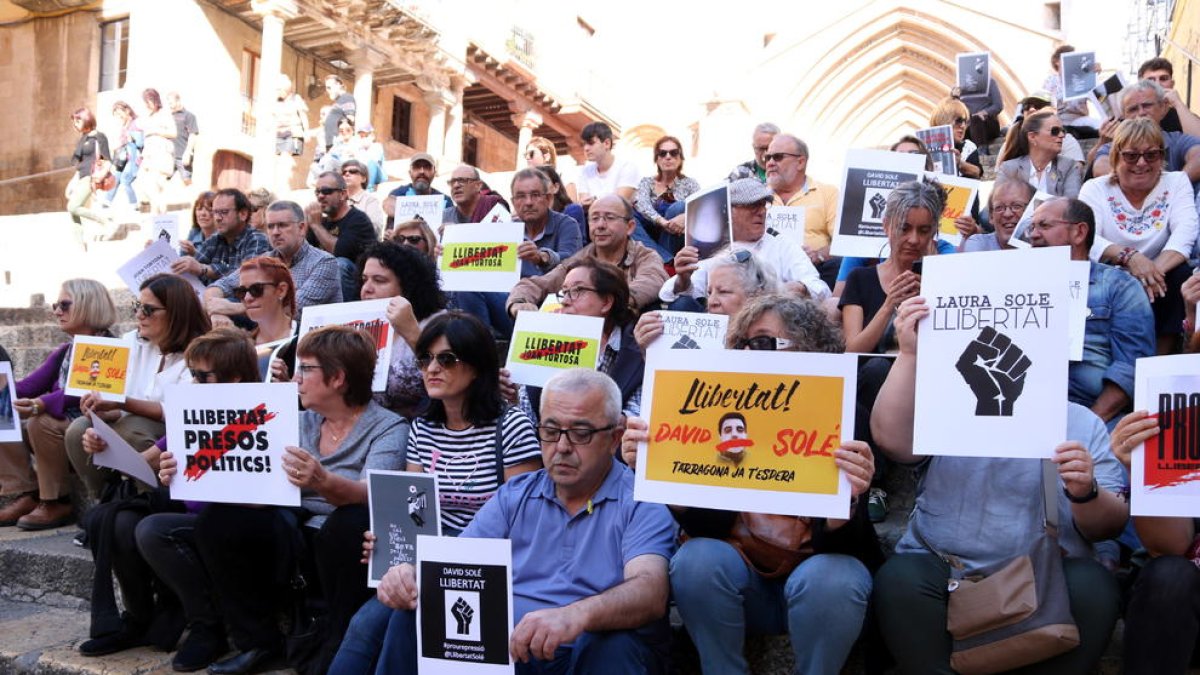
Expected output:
(1092, 494)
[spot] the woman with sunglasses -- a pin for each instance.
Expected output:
(42, 500)
(203, 226)
(268, 293)
(821, 604)
(389, 270)
(417, 234)
(659, 200)
(541, 153)
(343, 434)
(733, 280)
(1146, 222)
(1033, 152)
(169, 317)
(953, 112)
(468, 438)
(356, 174)
(144, 540)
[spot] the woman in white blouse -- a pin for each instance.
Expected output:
(1146, 221)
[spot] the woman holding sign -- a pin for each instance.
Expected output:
(169, 317)
(819, 599)
(343, 433)
(1146, 222)
(43, 500)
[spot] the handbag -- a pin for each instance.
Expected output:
(772, 545)
(120, 158)
(1017, 612)
(102, 177)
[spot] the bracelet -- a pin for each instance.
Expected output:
(1125, 255)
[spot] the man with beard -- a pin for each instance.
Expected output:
(421, 170)
(786, 162)
(339, 228)
(1007, 202)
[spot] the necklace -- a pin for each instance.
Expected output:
(328, 424)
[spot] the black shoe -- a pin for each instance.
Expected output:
(251, 661)
(203, 646)
(112, 643)
(81, 539)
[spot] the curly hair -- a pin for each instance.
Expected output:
(805, 324)
(414, 271)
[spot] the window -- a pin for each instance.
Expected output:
(249, 73)
(114, 53)
(401, 121)
(470, 150)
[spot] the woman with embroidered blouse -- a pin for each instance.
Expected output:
(1146, 221)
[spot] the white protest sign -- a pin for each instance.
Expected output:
(10, 419)
(992, 354)
(974, 73)
(1020, 235)
(960, 194)
(481, 257)
(154, 259)
(544, 345)
(369, 316)
(168, 227)
(229, 441)
(691, 330)
(1165, 470)
(426, 207)
(867, 180)
(754, 429)
(464, 606)
(402, 505)
(1079, 272)
(551, 304)
(787, 221)
(498, 214)
(1078, 72)
(707, 224)
(120, 455)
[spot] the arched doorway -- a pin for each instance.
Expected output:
(231, 170)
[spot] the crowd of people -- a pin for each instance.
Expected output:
(552, 468)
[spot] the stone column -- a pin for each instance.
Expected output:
(435, 142)
(274, 13)
(454, 128)
(364, 61)
(526, 121)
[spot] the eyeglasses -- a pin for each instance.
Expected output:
(410, 239)
(220, 212)
(1010, 208)
(63, 305)
(572, 294)
(255, 290)
(1056, 131)
(144, 310)
(763, 343)
(445, 360)
(202, 376)
(303, 370)
(597, 218)
(326, 191)
(575, 435)
(960, 121)
(461, 181)
(524, 196)
(1151, 156)
(778, 156)
(668, 153)
(1044, 225)
(1140, 107)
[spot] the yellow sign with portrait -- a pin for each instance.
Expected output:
(101, 365)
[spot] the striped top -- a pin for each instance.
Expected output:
(465, 461)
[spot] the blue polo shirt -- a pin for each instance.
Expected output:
(558, 558)
(561, 239)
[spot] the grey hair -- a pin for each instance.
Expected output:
(1144, 85)
(579, 382)
(767, 128)
(288, 205)
(755, 277)
(928, 195)
(805, 323)
(337, 178)
(801, 146)
(531, 172)
(474, 171)
(1008, 181)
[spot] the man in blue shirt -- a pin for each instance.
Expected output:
(589, 562)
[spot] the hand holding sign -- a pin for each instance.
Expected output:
(1075, 467)
(398, 589)
(303, 470)
(1133, 430)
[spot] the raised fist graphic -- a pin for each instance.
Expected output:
(463, 613)
(995, 370)
(877, 203)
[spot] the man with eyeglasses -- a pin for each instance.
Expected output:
(1146, 98)
(421, 170)
(611, 224)
(1179, 117)
(234, 242)
(471, 203)
(550, 237)
(1120, 323)
(343, 108)
(315, 272)
(603, 174)
(589, 569)
(787, 175)
(1007, 202)
(756, 168)
(749, 199)
(339, 228)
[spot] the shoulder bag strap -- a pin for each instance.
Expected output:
(500, 443)
(1050, 497)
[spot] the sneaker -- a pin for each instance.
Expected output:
(877, 509)
(205, 643)
(17, 508)
(47, 516)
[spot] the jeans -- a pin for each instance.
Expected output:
(489, 307)
(911, 601)
(1163, 618)
(665, 244)
(167, 541)
(821, 605)
(348, 277)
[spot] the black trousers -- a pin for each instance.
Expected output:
(1163, 617)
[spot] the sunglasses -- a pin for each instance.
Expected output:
(668, 153)
(446, 360)
(410, 239)
(326, 191)
(351, 172)
(1151, 156)
(778, 156)
(763, 343)
(960, 121)
(255, 290)
(64, 306)
(202, 376)
(145, 311)
(531, 154)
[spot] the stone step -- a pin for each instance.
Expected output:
(45, 568)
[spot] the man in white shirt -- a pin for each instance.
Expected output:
(603, 174)
(749, 199)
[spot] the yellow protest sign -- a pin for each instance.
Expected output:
(101, 365)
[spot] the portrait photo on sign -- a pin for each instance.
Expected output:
(707, 223)
(10, 421)
(974, 73)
